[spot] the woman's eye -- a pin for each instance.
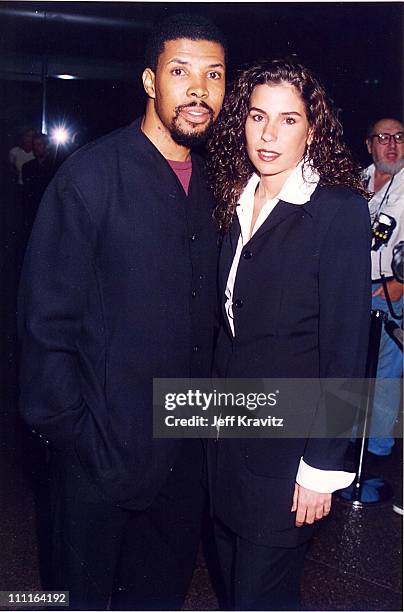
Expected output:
(257, 118)
(290, 120)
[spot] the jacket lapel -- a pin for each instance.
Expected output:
(227, 252)
(234, 234)
(282, 211)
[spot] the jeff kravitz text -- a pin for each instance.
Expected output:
(230, 420)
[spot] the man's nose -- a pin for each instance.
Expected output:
(392, 144)
(198, 88)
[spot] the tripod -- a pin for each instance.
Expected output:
(372, 490)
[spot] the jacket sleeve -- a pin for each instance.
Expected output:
(52, 296)
(345, 307)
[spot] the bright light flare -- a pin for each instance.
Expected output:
(60, 135)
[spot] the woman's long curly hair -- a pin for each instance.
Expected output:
(228, 165)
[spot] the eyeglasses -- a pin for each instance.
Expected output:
(384, 139)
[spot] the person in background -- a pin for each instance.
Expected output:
(17, 157)
(294, 279)
(384, 178)
(36, 176)
(21, 154)
(118, 288)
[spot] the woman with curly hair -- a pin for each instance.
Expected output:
(294, 282)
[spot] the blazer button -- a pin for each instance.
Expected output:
(238, 303)
(196, 348)
(193, 237)
(194, 294)
(247, 254)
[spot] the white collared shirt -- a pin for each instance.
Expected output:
(389, 200)
(298, 189)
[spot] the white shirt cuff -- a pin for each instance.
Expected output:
(322, 481)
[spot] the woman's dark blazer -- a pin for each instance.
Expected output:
(301, 310)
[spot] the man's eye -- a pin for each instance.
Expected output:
(214, 75)
(178, 71)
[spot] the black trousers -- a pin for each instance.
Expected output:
(107, 557)
(256, 577)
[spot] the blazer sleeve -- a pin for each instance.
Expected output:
(52, 295)
(344, 307)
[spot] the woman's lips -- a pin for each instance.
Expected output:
(267, 156)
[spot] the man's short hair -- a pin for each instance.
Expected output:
(193, 27)
(371, 126)
(369, 130)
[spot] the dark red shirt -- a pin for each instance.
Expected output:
(183, 170)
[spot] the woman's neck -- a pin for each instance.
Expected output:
(270, 185)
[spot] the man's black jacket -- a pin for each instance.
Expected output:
(118, 287)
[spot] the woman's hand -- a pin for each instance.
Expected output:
(309, 505)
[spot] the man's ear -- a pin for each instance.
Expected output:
(148, 78)
(369, 145)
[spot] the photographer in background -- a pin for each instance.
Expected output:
(385, 178)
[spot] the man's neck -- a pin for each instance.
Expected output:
(380, 179)
(159, 135)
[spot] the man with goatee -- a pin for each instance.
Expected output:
(118, 288)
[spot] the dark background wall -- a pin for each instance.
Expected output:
(356, 48)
